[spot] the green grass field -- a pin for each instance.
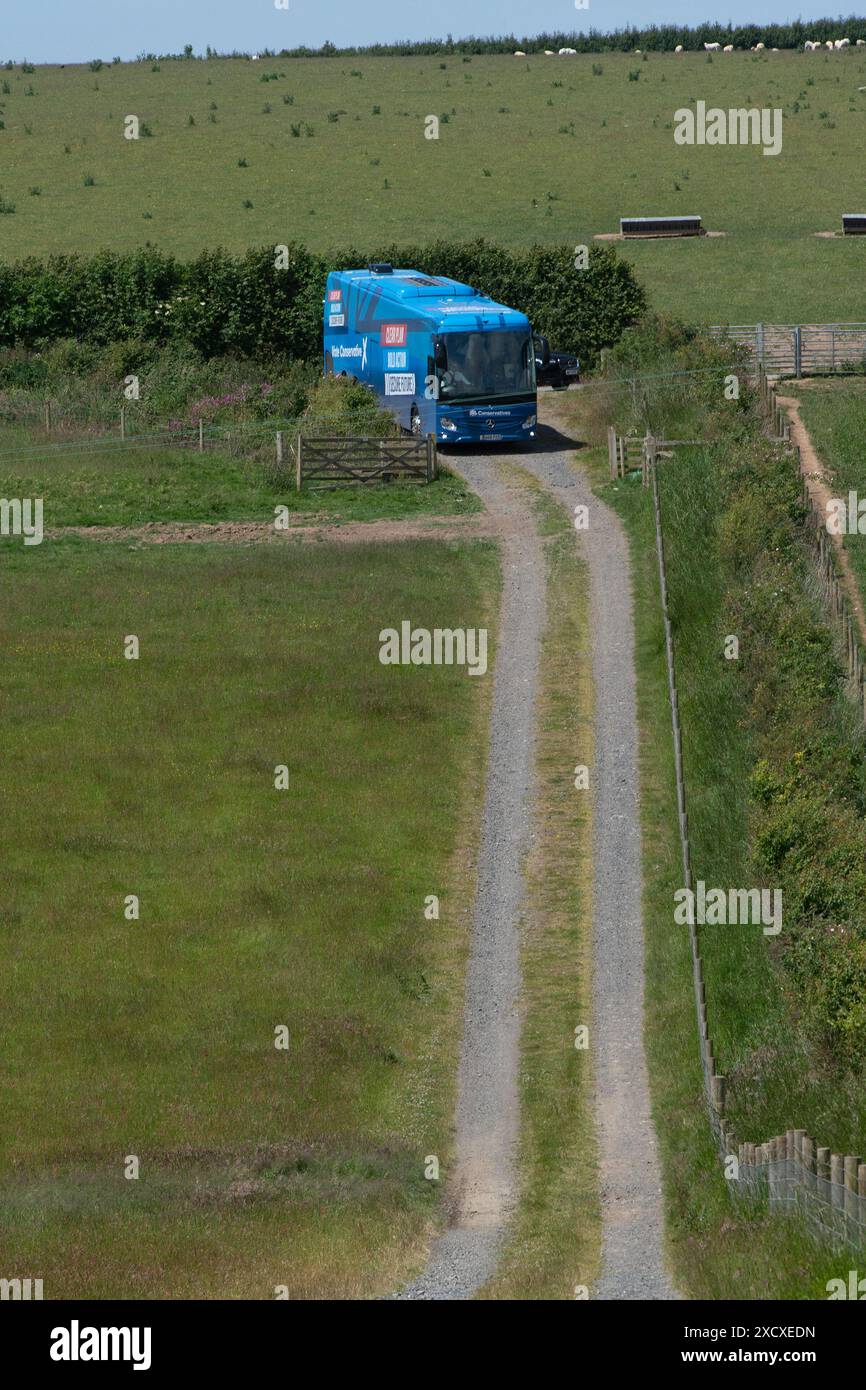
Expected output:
(258, 908)
(533, 150)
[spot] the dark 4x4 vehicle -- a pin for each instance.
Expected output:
(554, 368)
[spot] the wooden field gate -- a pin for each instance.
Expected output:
(337, 458)
(632, 451)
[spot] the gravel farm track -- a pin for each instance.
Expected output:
(483, 1191)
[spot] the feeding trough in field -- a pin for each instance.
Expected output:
(631, 227)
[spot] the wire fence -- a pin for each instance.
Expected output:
(258, 439)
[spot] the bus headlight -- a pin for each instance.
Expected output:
(447, 423)
(530, 423)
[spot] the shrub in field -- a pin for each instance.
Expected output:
(20, 370)
(84, 383)
(339, 405)
(222, 302)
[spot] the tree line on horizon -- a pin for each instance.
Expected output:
(657, 38)
(654, 38)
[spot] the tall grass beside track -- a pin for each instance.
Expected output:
(773, 759)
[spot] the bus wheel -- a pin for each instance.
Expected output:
(415, 422)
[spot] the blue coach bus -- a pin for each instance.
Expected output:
(445, 359)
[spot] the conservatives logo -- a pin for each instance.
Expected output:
(77, 1343)
(358, 350)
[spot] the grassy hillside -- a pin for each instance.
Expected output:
(332, 150)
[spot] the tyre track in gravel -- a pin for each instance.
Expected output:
(482, 1190)
(465, 1256)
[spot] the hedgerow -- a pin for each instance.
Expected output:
(222, 303)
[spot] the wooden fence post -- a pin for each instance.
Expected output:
(298, 465)
(852, 1163)
(47, 417)
(611, 449)
(123, 422)
(807, 1158)
(200, 436)
(649, 457)
(837, 1182)
(279, 448)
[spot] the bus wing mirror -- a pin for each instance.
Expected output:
(542, 349)
(441, 357)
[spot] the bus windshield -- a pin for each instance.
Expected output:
(499, 363)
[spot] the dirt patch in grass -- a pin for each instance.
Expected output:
(818, 478)
(265, 532)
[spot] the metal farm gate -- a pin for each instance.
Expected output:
(803, 349)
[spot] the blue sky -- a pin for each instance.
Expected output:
(63, 31)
